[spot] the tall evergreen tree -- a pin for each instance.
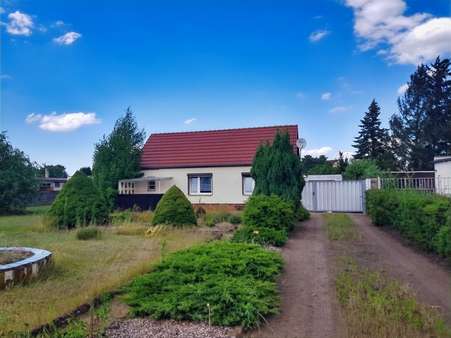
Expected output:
(409, 126)
(117, 155)
(277, 170)
(372, 143)
(438, 121)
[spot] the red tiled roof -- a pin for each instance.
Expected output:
(229, 147)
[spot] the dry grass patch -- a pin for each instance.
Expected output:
(82, 271)
(377, 306)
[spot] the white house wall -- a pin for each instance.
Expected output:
(226, 183)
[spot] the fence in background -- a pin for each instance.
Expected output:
(439, 185)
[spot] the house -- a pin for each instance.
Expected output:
(442, 167)
(51, 183)
(212, 167)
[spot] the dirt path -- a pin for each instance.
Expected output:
(309, 307)
(431, 282)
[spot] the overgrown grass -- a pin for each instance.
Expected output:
(377, 306)
(82, 271)
(340, 227)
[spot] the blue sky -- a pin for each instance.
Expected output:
(70, 68)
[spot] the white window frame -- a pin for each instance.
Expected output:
(197, 177)
(243, 177)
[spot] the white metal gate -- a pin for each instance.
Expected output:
(344, 196)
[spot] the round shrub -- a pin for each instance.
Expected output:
(79, 203)
(88, 233)
(268, 212)
(175, 209)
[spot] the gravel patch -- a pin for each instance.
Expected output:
(140, 328)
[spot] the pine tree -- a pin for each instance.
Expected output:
(409, 132)
(438, 121)
(372, 143)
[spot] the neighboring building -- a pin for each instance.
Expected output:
(51, 183)
(210, 167)
(442, 166)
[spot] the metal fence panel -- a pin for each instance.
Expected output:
(345, 196)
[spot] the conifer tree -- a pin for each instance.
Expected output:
(409, 126)
(276, 170)
(372, 143)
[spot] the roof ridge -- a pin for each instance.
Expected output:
(226, 129)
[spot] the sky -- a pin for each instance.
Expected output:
(70, 68)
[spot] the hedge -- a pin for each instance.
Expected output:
(424, 219)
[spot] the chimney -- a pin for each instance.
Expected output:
(46, 172)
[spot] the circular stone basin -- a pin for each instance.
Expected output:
(18, 264)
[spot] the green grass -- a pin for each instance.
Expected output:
(82, 271)
(377, 306)
(340, 227)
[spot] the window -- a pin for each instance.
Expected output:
(200, 184)
(248, 184)
(57, 184)
(151, 186)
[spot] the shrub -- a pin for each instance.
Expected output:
(88, 233)
(360, 169)
(303, 214)
(174, 208)
(268, 212)
(235, 219)
(79, 203)
(213, 218)
(419, 217)
(227, 283)
(260, 235)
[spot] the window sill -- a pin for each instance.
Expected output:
(201, 194)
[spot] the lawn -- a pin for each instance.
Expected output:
(82, 269)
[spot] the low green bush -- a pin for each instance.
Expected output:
(79, 203)
(419, 217)
(226, 283)
(213, 218)
(261, 235)
(235, 219)
(174, 209)
(88, 233)
(302, 214)
(268, 212)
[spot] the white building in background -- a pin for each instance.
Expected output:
(442, 167)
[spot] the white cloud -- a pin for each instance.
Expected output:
(68, 38)
(403, 39)
(346, 154)
(63, 122)
(339, 109)
(326, 96)
(317, 152)
(19, 24)
(402, 89)
(318, 35)
(59, 23)
(189, 121)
